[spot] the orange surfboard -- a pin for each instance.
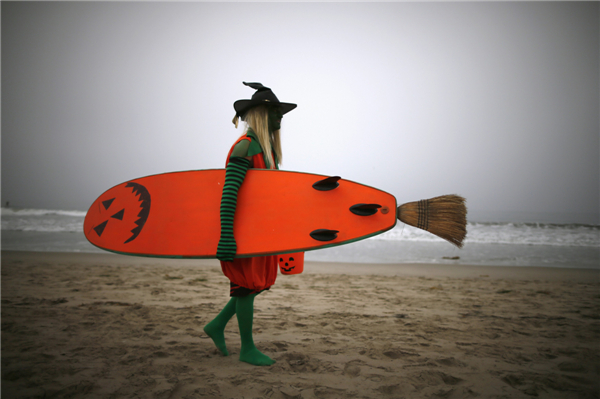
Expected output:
(176, 214)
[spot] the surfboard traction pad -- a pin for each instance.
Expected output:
(151, 216)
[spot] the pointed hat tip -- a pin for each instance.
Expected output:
(256, 85)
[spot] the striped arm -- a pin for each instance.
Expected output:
(234, 177)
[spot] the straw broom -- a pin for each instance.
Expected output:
(444, 216)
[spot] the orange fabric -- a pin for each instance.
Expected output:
(258, 273)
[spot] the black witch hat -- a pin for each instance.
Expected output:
(263, 96)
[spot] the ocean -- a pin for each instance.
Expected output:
(494, 244)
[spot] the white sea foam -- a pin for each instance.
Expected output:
(508, 233)
(42, 220)
(40, 212)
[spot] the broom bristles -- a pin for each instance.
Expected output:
(444, 216)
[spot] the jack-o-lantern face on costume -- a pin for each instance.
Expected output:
(121, 215)
(291, 263)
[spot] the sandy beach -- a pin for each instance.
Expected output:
(111, 326)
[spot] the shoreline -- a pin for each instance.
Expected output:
(547, 273)
(84, 325)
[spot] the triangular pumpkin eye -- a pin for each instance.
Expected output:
(100, 228)
(119, 215)
(107, 203)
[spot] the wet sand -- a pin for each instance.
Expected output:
(110, 326)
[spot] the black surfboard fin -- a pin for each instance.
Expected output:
(324, 234)
(327, 184)
(364, 209)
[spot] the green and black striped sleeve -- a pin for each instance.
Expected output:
(234, 177)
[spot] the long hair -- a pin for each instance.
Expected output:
(257, 119)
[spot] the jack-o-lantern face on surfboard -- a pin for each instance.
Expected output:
(119, 215)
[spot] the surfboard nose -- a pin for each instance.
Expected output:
(118, 215)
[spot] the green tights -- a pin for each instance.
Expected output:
(243, 307)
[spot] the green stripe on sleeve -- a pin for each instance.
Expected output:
(234, 177)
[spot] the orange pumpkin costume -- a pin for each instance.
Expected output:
(251, 275)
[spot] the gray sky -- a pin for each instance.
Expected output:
(498, 102)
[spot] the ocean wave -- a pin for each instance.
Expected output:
(46, 226)
(42, 220)
(572, 235)
(40, 212)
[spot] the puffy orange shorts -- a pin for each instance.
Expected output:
(252, 274)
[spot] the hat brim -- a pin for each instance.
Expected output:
(242, 106)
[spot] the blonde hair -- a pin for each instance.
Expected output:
(257, 120)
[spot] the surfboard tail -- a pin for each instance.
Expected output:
(444, 216)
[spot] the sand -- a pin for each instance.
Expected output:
(110, 326)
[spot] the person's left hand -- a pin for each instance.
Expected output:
(227, 248)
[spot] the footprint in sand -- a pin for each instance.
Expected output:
(450, 362)
(398, 354)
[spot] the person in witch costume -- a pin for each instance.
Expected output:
(259, 147)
